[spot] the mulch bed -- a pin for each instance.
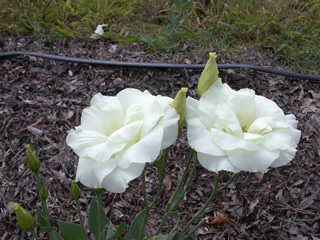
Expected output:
(41, 100)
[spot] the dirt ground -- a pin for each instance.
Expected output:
(49, 96)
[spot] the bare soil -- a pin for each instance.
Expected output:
(41, 100)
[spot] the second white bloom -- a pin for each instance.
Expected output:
(238, 130)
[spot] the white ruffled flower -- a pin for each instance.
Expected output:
(240, 131)
(118, 135)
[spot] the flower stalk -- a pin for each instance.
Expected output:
(179, 193)
(202, 209)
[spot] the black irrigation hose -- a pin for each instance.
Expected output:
(156, 65)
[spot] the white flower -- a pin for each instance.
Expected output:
(98, 33)
(119, 135)
(240, 131)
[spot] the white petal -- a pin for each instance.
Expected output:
(115, 142)
(164, 100)
(169, 123)
(296, 134)
(262, 125)
(72, 141)
(216, 163)
(117, 181)
(284, 158)
(227, 119)
(252, 137)
(268, 108)
(252, 161)
(91, 173)
(152, 114)
(145, 150)
(104, 151)
(105, 120)
(277, 139)
(130, 96)
(228, 142)
(200, 139)
(127, 133)
(133, 113)
(192, 108)
(291, 120)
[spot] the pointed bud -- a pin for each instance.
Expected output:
(75, 192)
(179, 103)
(26, 222)
(33, 162)
(43, 193)
(209, 75)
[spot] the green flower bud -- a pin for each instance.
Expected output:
(75, 190)
(33, 162)
(209, 75)
(43, 193)
(26, 222)
(179, 103)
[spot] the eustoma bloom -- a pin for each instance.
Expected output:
(119, 134)
(240, 131)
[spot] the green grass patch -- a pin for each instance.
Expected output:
(288, 29)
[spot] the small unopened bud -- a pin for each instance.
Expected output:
(209, 75)
(75, 190)
(43, 193)
(179, 103)
(26, 222)
(33, 162)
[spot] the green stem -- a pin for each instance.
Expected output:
(186, 187)
(43, 203)
(161, 174)
(215, 191)
(34, 235)
(99, 214)
(234, 175)
(81, 221)
(169, 206)
(204, 207)
(195, 228)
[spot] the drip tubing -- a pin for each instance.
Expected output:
(156, 65)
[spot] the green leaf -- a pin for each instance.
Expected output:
(42, 219)
(187, 5)
(47, 229)
(93, 219)
(137, 227)
(56, 236)
(110, 231)
(179, 236)
(170, 236)
(71, 231)
(184, 17)
(173, 17)
(169, 29)
(178, 4)
(282, 46)
(119, 232)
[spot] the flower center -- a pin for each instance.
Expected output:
(244, 128)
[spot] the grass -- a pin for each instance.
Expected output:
(287, 29)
